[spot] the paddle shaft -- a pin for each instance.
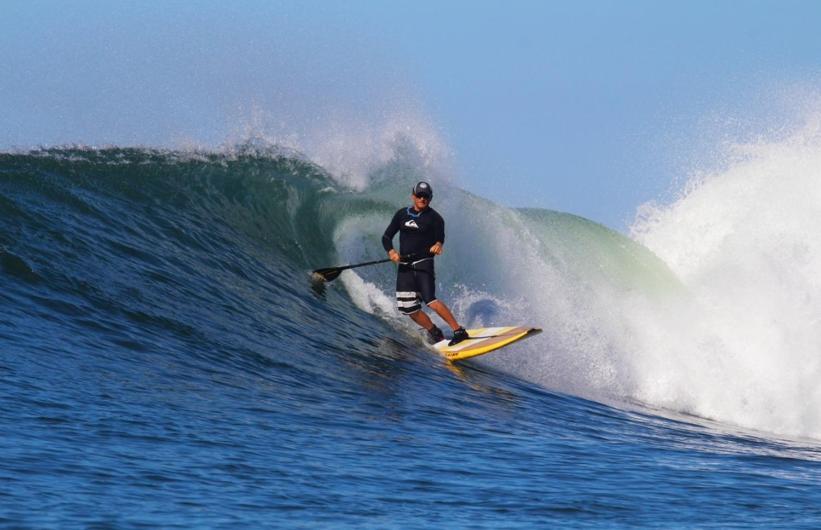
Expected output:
(331, 273)
(364, 264)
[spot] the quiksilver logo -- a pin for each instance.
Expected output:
(411, 224)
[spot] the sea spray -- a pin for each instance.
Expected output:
(744, 347)
(714, 317)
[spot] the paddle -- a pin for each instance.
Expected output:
(330, 274)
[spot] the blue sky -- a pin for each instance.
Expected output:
(587, 107)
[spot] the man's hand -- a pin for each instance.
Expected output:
(394, 255)
(436, 249)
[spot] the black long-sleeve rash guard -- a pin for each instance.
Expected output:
(418, 231)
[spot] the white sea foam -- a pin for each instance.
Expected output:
(737, 340)
(745, 345)
(352, 147)
(725, 325)
(350, 238)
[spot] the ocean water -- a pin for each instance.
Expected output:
(165, 361)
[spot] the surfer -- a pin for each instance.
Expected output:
(421, 237)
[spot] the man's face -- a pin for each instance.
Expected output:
(420, 203)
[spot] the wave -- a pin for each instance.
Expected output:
(203, 255)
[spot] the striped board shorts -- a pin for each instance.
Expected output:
(414, 287)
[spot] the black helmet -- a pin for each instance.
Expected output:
(423, 189)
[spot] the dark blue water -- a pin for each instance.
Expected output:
(165, 362)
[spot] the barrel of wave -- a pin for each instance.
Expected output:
(566, 274)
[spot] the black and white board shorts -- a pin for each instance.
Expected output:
(414, 286)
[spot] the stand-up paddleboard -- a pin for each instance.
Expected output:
(484, 340)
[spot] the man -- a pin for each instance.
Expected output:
(421, 236)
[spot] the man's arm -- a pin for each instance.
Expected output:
(439, 229)
(387, 237)
(439, 235)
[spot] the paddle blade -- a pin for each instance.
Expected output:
(326, 275)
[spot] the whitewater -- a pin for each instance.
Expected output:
(710, 309)
(164, 350)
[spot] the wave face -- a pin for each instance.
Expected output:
(157, 303)
(116, 229)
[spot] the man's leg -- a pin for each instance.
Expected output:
(426, 286)
(421, 318)
(443, 311)
(434, 333)
(459, 333)
(427, 292)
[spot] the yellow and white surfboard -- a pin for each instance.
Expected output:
(484, 340)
